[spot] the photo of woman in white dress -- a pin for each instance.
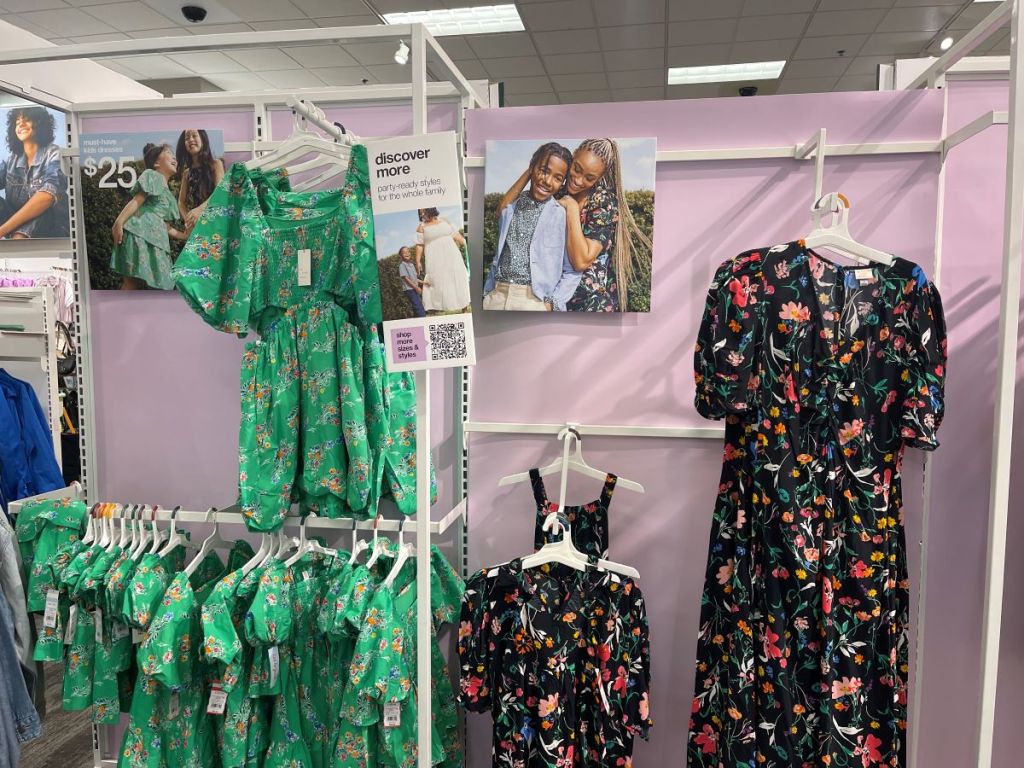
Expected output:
(440, 257)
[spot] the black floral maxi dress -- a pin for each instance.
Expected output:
(824, 374)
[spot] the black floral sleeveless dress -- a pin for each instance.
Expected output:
(824, 375)
(589, 522)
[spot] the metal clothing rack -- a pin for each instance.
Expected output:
(28, 333)
(422, 44)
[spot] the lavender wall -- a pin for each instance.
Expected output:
(638, 369)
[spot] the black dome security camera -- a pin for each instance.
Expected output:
(193, 13)
(748, 90)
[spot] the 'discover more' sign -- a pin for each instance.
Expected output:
(422, 255)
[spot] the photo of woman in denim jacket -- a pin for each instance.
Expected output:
(33, 188)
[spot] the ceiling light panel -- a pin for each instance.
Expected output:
(726, 73)
(480, 20)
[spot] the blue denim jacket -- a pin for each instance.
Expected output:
(19, 721)
(552, 277)
(19, 181)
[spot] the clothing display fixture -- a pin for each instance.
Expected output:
(824, 375)
(318, 367)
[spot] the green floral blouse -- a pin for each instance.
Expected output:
(322, 423)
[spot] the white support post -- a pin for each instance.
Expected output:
(1006, 375)
(418, 65)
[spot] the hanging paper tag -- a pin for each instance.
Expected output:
(274, 657)
(305, 271)
(50, 616)
(218, 700)
(392, 714)
(864, 276)
(174, 706)
(97, 617)
(118, 631)
(69, 636)
(137, 636)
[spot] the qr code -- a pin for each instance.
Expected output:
(448, 341)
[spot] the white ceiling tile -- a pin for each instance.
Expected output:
(559, 42)
(801, 68)
(389, 73)
(342, 75)
(558, 14)
(998, 44)
(531, 100)
(67, 22)
(584, 97)
(765, 7)
(28, 26)
(898, 43)
(292, 78)
(19, 6)
(516, 66)
(239, 81)
(571, 63)
(217, 29)
(930, 18)
(472, 69)
(262, 10)
(207, 62)
(969, 17)
(264, 59)
(867, 65)
(457, 47)
(275, 25)
(319, 56)
(154, 66)
(857, 83)
(698, 91)
(501, 45)
(691, 11)
(538, 84)
(778, 27)
(367, 19)
(851, 5)
(314, 8)
(641, 58)
(632, 36)
(638, 94)
(808, 85)
(106, 38)
(397, 6)
(140, 34)
(701, 32)
(615, 12)
(698, 55)
(857, 22)
(121, 69)
(637, 78)
(904, 3)
(372, 54)
(128, 17)
(762, 50)
(582, 81)
(826, 47)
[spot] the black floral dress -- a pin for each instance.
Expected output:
(824, 375)
(589, 522)
(598, 290)
(561, 659)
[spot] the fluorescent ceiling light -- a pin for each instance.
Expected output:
(480, 20)
(725, 73)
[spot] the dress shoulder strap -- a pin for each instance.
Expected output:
(609, 489)
(540, 494)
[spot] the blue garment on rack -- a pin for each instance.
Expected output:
(28, 465)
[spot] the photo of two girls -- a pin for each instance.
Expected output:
(569, 230)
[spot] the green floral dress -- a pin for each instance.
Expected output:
(43, 528)
(169, 727)
(91, 596)
(322, 423)
(80, 635)
(50, 643)
(145, 250)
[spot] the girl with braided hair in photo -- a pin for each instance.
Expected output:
(603, 240)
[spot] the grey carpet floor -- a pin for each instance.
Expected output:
(67, 736)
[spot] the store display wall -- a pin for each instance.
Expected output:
(638, 369)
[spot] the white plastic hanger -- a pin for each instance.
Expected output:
(90, 526)
(174, 537)
(575, 463)
(378, 547)
(358, 545)
(836, 234)
(122, 540)
(405, 551)
(104, 535)
(157, 534)
(304, 547)
(258, 557)
(211, 542)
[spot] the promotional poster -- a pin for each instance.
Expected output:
(142, 195)
(568, 225)
(33, 185)
(422, 254)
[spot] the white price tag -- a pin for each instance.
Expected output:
(274, 656)
(118, 631)
(392, 714)
(218, 700)
(69, 636)
(864, 276)
(137, 636)
(50, 616)
(174, 706)
(97, 617)
(305, 271)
